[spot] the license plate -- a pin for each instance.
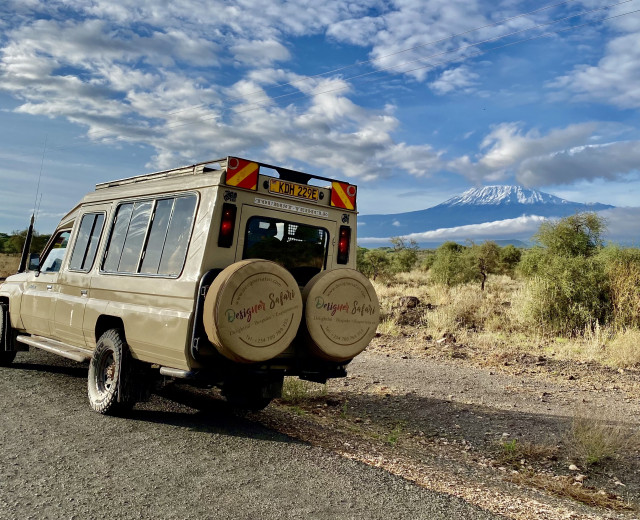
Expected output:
(293, 190)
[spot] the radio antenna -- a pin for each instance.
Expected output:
(44, 151)
(26, 248)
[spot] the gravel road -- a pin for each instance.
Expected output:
(58, 459)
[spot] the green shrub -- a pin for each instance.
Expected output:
(569, 287)
(510, 257)
(452, 265)
(568, 295)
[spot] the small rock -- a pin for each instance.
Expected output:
(579, 478)
(505, 435)
(573, 467)
(621, 370)
(357, 420)
(618, 483)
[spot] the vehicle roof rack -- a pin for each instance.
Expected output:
(201, 167)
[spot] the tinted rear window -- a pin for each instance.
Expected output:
(299, 248)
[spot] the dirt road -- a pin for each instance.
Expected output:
(58, 459)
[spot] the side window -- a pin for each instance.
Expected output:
(86, 246)
(151, 237)
(118, 234)
(52, 260)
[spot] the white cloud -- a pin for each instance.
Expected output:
(259, 52)
(521, 227)
(622, 225)
(536, 159)
(461, 78)
(607, 161)
(131, 85)
(614, 79)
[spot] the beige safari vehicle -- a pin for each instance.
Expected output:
(226, 273)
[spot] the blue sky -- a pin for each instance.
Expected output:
(400, 97)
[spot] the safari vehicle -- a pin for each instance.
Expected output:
(227, 273)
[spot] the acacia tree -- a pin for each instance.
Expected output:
(569, 287)
(486, 257)
(576, 235)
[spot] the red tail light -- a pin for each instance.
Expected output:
(227, 225)
(343, 244)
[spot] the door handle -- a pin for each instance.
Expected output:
(49, 287)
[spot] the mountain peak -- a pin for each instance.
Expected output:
(501, 196)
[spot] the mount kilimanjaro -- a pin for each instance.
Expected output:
(474, 206)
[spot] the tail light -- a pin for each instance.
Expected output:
(227, 225)
(344, 241)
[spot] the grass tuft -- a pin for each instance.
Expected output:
(593, 441)
(296, 391)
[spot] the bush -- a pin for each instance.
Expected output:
(623, 273)
(568, 295)
(452, 265)
(404, 255)
(510, 257)
(569, 286)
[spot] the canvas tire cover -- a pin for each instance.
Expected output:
(252, 311)
(341, 313)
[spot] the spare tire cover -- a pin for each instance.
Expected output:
(252, 310)
(341, 313)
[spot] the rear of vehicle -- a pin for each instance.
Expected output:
(292, 302)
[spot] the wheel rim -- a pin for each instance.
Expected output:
(106, 373)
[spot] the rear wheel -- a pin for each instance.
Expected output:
(6, 357)
(110, 375)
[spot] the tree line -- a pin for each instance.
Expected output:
(12, 244)
(573, 280)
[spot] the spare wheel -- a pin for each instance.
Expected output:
(341, 313)
(252, 310)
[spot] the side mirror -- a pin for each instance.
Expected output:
(34, 262)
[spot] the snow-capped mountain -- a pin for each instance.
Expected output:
(474, 206)
(502, 195)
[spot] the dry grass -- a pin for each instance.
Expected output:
(568, 488)
(593, 441)
(494, 322)
(623, 349)
(8, 264)
(517, 453)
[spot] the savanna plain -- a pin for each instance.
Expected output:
(508, 377)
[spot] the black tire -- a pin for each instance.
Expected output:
(110, 374)
(246, 402)
(252, 396)
(6, 357)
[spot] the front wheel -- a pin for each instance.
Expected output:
(6, 357)
(110, 374)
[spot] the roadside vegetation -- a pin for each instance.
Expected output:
(570, 296)
(11, 247)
